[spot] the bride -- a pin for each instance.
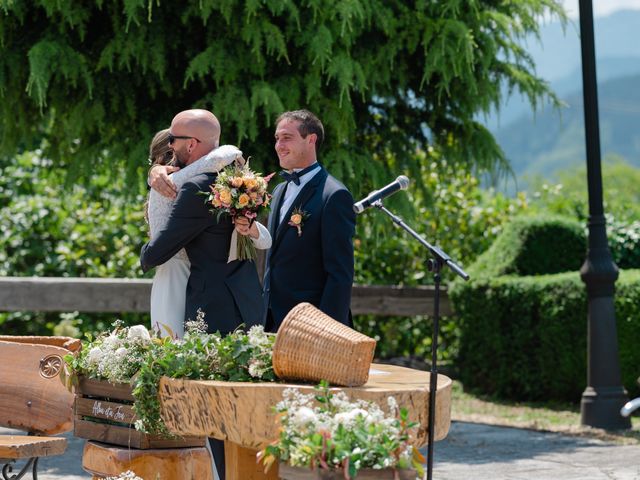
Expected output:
(168, 291)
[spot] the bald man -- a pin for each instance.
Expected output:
(193, 134)
(229, 293)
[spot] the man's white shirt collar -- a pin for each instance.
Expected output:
(292, 190)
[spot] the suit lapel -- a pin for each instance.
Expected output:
(305, 194)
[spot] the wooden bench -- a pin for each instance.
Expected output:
(34, 400)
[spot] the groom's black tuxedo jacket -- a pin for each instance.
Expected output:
(228, 293)
(316, 267)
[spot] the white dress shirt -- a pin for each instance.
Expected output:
(292, 190)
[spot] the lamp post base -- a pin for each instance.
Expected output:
(600, 408)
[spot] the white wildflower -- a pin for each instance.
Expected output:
(257, 336)
(340, 400)
(256, 369)
(121, 353)
(139, 332)
(196, 326)
(111, 342)
(349, 417)
(303, 416)
(128, 475)
(94, 355)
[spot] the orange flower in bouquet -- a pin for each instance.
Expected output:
(240, 192)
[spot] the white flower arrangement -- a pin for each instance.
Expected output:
(117, 355)
(134, 355)
(328, 432)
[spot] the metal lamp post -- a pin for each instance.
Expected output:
(604, 395)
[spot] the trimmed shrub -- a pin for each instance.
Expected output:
(534, 245)
(628, 323)
(524, 338)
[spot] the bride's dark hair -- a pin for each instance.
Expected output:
(159, 154)
(159, 151)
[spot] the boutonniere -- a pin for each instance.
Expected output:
(297, 219)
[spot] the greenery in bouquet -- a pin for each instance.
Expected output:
(239, 191)
(326, 431)
(240, 357)
(134, 355)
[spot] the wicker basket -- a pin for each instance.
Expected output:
(310, 345)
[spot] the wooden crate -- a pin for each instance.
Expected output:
(103, 411)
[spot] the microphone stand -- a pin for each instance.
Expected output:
(434, 265)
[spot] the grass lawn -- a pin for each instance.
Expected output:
(562, 418)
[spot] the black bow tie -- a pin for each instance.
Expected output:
(295, 176)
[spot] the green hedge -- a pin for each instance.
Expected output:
(523, 324)
(534, 245)
(524, 338)
(628, 322)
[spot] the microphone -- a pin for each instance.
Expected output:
(400, 183)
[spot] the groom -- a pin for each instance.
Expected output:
(312, 224)
(228, 293)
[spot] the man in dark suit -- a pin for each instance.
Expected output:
(228, 293)
(312, 224)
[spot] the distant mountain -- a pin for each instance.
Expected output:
(607, 68)
(557, 54)
(555, 140)
(550, 141)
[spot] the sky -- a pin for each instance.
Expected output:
(602, 7)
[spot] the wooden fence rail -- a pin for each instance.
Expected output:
(54, 294)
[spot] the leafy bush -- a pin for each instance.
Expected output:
(451, 210)
(454, 212)
(534, 245)
(50, 229)
(627, 301)
(624, 242)
(621, 204)
(524, 338)
(569, 196)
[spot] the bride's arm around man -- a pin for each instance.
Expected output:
(227, 292)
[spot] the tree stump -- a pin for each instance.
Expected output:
(103, 460)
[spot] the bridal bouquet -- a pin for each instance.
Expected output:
(239, 191)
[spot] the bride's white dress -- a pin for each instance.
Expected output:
(168, 291)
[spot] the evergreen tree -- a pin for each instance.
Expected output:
(90, 82)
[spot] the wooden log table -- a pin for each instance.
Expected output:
(242, 413)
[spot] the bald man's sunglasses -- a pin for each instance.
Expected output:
(173, 138)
